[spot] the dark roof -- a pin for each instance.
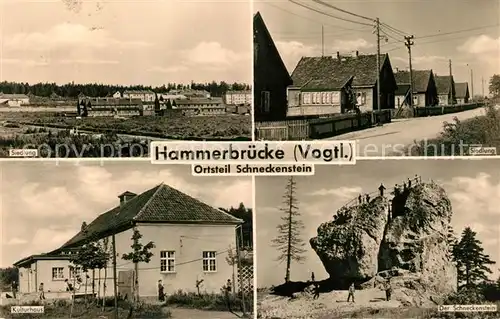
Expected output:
(421, 79)
(462, 90)
(112, 101)
(362, 67)
(328, 83)
(161, 203)
(402, 89)
(443, 84)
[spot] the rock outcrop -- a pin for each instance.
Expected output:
(348, 246)
(409, 246)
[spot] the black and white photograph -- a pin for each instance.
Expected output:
(381, 239)
(125, 240)
(103, 78)
(319, 64)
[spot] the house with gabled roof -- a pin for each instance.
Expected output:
(271, 78)
(192, 241)
(424, 88)
(362, 69)
(446, 89)
(462, 92)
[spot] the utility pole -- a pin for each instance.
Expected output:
(408, 44)
(471, 84)
(113, 243)
(322, 41)
(240, 273)
(378, 65)
(451, 84)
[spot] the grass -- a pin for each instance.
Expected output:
(172, 127)
(457, 136)
(214, 302)
(62, 309)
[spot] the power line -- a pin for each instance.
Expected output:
(327, 14)
(344, 11)
(306, 18)
(394, 30)
(458, 31)
(390, 36)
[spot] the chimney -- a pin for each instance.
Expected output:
(125, 197)
(338, 55)
(357, 53)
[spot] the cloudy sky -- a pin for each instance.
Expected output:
(297, 32)
(473, 190)
(43, 204)
(125, 42)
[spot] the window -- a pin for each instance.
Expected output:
(209, 261)
(306, 98)
(57, 273)
(74, 272)
(415, 100)
(265, 101)
(167, 261)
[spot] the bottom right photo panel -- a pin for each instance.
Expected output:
(380, 239)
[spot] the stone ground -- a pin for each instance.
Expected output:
(328, 305)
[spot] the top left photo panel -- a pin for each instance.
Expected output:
(105, 78)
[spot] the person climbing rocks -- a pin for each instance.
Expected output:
(316, 290)
(409, 183)
(312, 277)
(396, 190)
(351, 293)
(388, 290)
(367, 198)
(381, 189)
(404, 187)
(360, 199)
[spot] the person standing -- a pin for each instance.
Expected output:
(368, 198)
(41, 292)
(409, 183)
(381, 190)
(312, 277)
(227, 291)
(360, 199)
(388, 290)
(351, 293)
(161, 291)
(14, 289)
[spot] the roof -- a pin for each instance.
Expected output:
(421, 79)
(329, 83)
(402, 89)
(328, 68)
(127, 193)
(138, 92)
(443, 84)
(213, 100)
(29, 260)
(239, 92)
(462, 90)
(112, 101)
(160, 204)
(13, 96)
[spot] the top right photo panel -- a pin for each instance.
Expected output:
(402, 78)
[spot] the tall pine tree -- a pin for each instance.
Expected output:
(472, 263)
(289, 242)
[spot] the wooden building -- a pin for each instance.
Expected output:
(446, 89)
(462, 92)
(271, 78)
(424, 88)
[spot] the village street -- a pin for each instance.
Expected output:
(391, 138)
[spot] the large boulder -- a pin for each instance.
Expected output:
(348, 246)
(416, 238)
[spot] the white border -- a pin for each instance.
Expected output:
(254, 238)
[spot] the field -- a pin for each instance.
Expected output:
(183, 128)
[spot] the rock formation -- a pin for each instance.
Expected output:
(364, 244)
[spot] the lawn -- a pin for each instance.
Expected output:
(223, 127)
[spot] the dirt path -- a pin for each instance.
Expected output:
(181, 313)
(328, 304)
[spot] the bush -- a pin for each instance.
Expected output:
(480, 130)
(62, 309)
(216, 302)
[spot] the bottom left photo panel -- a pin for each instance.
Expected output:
(124, 239)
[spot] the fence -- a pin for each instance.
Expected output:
(317, 128)
(246, 273)
(440, 110)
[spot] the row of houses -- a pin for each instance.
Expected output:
(192, 242)
(329, 85)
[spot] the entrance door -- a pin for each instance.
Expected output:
(125, 284)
